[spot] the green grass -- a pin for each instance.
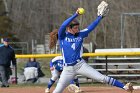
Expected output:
(44, 62)
(27, 85)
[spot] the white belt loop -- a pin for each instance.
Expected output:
(78, 60)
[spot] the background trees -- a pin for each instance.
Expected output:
(32, 19)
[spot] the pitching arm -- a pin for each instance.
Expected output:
(62, 29)
(102, 12)
(91, 27)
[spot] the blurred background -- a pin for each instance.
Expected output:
(29, 22)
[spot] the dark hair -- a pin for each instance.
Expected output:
(34, 59)
(74, 23)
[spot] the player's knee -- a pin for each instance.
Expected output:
(55, 77)
(103, 79)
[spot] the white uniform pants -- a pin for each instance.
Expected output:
(55, 74)
(69, 73)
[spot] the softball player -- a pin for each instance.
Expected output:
(56, 67)
(71, 40)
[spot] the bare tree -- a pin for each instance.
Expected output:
(34, 18)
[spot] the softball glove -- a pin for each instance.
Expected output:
(102, 9)
(73, 89)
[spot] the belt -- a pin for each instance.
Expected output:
(72, 64)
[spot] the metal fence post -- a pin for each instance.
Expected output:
(106, 66)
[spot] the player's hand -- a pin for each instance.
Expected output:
(80, 11)
(52, 68)
(103, 9)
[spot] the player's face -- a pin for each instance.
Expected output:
(74, 29)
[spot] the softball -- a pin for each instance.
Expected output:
(81, 11)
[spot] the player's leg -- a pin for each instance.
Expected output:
(55, 75)
(66, 76)
(76, 81)
(74, 85)
(90, 72)
(3, 77)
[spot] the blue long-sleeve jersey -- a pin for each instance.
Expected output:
(33, 64)
(71, 45)
(57, 62)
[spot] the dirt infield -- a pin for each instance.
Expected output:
(38, 89)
